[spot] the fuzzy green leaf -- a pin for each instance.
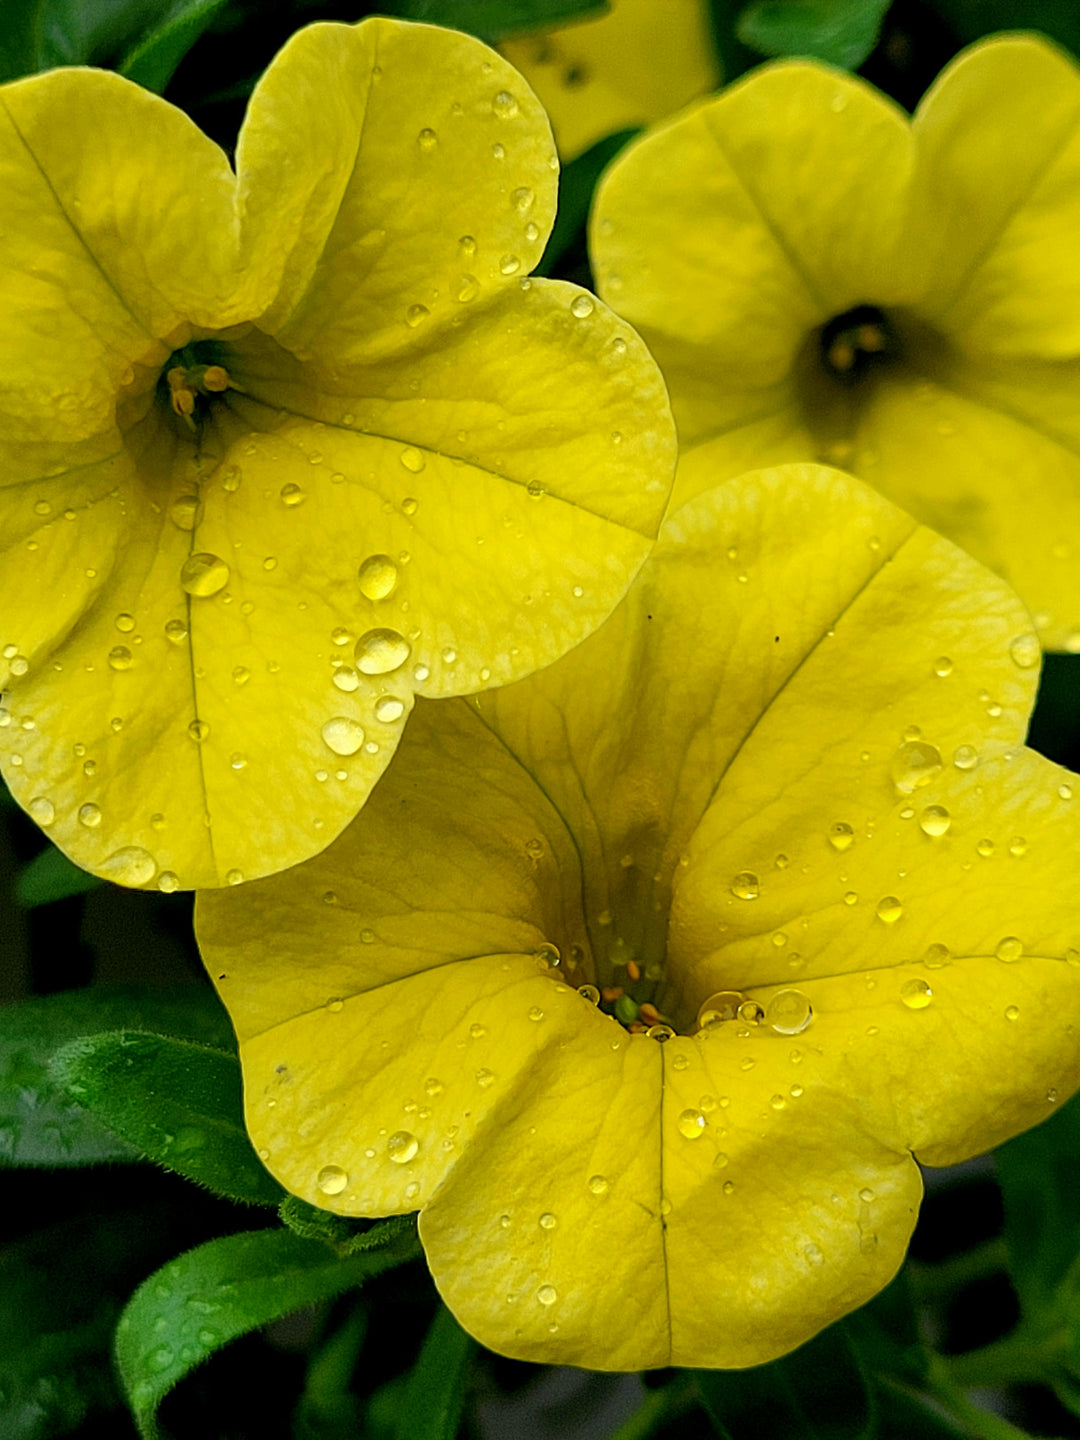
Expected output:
(435, 1392)
(154, 59)
(52, 876)
(39, 1123)
(225, 1289)
(840, 32)
(179, 1103)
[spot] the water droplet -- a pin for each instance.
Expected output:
(889, 909)
(1012, 1012)
(345, 679)
(750, 1012)
(851, 898)
(381, 651)
(449, 655)
(1009, 949)
(185, 512)
(234, 877)
(1064, 791)
(547, 955)
(936, 956)
(90, 816)
(985, 848)
(547, 1295)
(292, 495)
(1018, 846)
(745, 885)
(199, 731)
(41, 810)
(120, 658)
(943, 666)
(203, 575)
(477, 1031)
(661, 1032)
(331, 1180)
(504, 105)
(914, 765)
(241, 674)
(691, 1124)
(402, 1147)
(581, 307)
(19, 665)
(427, 139)
(130, 866)
(433, 1087)
(590, 993)
(509, 265)
(389, 708)
(342, 735)
(416, 315)
(176, 631)
(719, 1007)
(238, 761)
(484, 1078)
(125, 623)
(916, 994)
(841, 836)
(548, 1221)
(535, 1013)
(413, 460)
(935, 820)
(598, 1184)
(1026, 651)
(230, 479)
(965, 757)
(788, 1012)
(168, 882)
(467, 244)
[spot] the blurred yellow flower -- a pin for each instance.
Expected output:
(820, 276)
(283, 447)
(778, 805)
(636, 64)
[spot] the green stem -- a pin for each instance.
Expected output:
(1020, 1358)
(659, 1406)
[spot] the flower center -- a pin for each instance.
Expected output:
(193, 377)
(853, 343)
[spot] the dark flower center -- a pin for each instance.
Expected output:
(193, 377)
(856, 341)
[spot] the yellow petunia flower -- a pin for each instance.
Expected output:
(636, 64)
(820, 276)
(283, 447)
(777, 814)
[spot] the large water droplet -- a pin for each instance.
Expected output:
(381, 651)
(41, 810)
(1025, 651)
(582, 306)
(131, 865)
(889, 909)
(388, 708)
(504, 105)
(1009, 949)
(342, 735)
(204, 575)
(841, 836)
(789, 1012)
(120, 658)
(916, 994)
(176, 632)
(691, 1124)
(292, 495)
(548, 1221)
(598, 1184)
(412, 459)
(935, 820)
(965, 757)
(185, 512)
(547, 1295)
(914, 765)
(745, 885)
(721, 1006)
(90, 816)
(402, 1147)
(331, 1180)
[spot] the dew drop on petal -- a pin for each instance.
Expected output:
(745, 885)
(176, 632)
(1025, 651)
(416, 315)
(943, 666)
(331, 1180)
(509, 265)
(199, 731)
(168, 882)
(590, 993)
(916, 994)
(120, 658)
(389, 708)
(412, 459)
(378, 577)
(788, 1012)
(1009, 948)
(936, 956)
(342, 735)
(292, 495)
(203, 575)
(841, 836)
(598, 1185)
(691, 1124)
(381, 651)
(185, 512)
(582, 306)
(548, 1221)
(914, 765)
(965, 757)
(427, 139)
(935, 820)
(125, 623)
(889, 910)
(41, 810)
(402, 1147)
(504, 105)
(547, 1295)
(1012, 1012)
(90, 816)
(130, 865)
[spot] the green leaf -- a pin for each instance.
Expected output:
(74, 32)
(905, 1414)
(840, 32)
(39, 1123)
(52, 876)
(225, 1289)
(576, 185)
(819, 1392)
(971, 19)
(494, 20)
(433, 1398)
(20, 25)
(1037, 1174)
(154, 59)
(178, 1103)
(886, 1334)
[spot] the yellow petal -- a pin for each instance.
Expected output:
(217, 619)
(395, 173)
(998, 180)
(728, 233)
(629, 67)
(726, 785)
